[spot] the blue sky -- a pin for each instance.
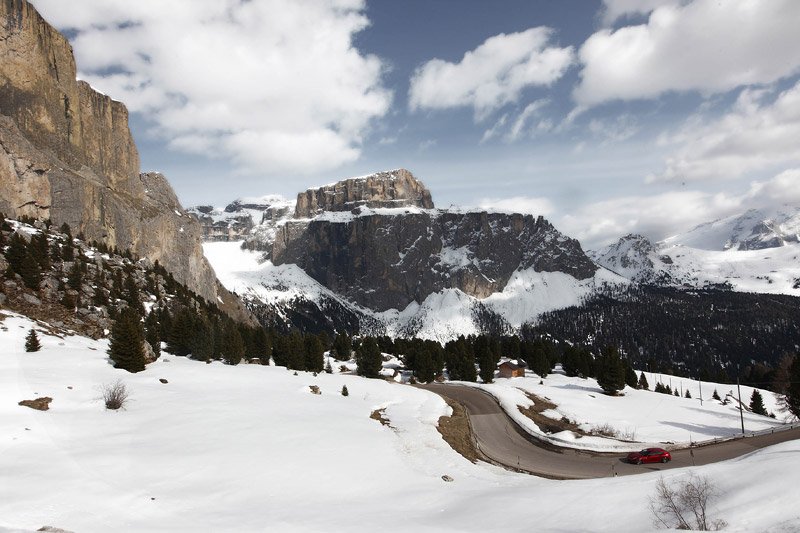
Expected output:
(607, 117)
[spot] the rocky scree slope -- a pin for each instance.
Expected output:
(67, 155)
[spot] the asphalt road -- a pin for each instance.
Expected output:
(503, 442)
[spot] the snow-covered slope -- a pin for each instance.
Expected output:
(442, 316)
(757, 251)
(249, 448)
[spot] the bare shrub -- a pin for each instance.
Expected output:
(604, 430)
(115, 395)
(685, 505)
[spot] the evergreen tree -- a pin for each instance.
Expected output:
(262, 346)
(424, 365)
(202, 347)
(39, 248)
(328, 367)
(342, 347)
(675, 392)
(314, 353)
(715, 396)
(688, 394)
(16, 252)
(75, 276)
(792, 397)
(630, 377)
(643, 384)
(757, 403)
(181, 334)
(345, 392)
(610, 371)
(368, 358)
(152, 330)
(280, 350)
(296, 351)
(132, 294)
(32, 342)
(126, 346)
(485, 359)
(233, 346)
(31, 275)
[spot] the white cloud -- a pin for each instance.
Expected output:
(274, 85)
(707, 46)
(661, 215)
(757, 134)
(519, 204)
(492, 75)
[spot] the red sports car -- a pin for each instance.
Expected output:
(650, 455)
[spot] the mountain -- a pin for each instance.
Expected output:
(238, 219)
(68, 157)
(755, 251)
(373, 253)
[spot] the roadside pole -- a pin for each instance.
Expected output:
(741, 407)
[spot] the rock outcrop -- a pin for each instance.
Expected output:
(395, 188)
(67, 154)
(383, 261)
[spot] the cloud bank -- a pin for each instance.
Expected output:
(275, 86)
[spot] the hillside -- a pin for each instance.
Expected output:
(220, 447)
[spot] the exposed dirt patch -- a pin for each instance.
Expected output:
(40, 404)
(545, 423)
(380, 416)
(457, 433)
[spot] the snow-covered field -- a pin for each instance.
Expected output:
(638, 417)
(249, 448)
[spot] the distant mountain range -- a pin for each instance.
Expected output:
(755, 251)
(374, 254)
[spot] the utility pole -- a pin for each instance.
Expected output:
(700, 384)
(741, 407)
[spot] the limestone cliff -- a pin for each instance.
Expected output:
(396, 188)
(388, 259)
(66, 154)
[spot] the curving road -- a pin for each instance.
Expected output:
(504, 443)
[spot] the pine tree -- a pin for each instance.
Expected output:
(15, 253)
(688, 394)
(75, 276)
(485, 359)
(715, 396)
(643, 384)
(792, 397)
(342, 347)
(424, 365)
(676, 393)
(611, 372)
(233, 349)
(181, 334)
(152, 330)
(30, 272)
(368, 358)
(32, 342)
(345, 392)
(262, 346)
(39, 248)
(328, 367)
(126, 346)
(314, 353)
(757, 403)
(630, 377)
(296, 351)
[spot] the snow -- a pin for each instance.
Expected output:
(442, 316)
(249, 448)
(640, 417)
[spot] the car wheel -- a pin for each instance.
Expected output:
(664, 460)
(638, 461)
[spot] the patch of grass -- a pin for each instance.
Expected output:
(456, 432)
(380, 416)
(545, 423)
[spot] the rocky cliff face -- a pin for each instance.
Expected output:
(388, 259)
(395, 188)
(66, 154)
